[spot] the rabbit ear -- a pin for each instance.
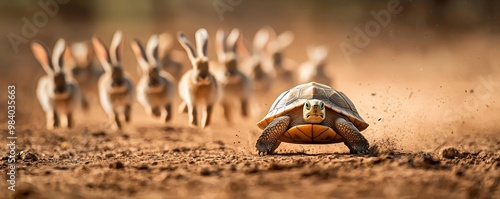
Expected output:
(220, 48)
(241, 47)
(140, 54)
(79, 52)
(281, 42)
(116, 47)
(57, 56)
(202, 42)
(232, 40)
(165, 44)
(102, 53)
(42, 54)
(285, 39)
(152, 50)
(183, 40)
(318, 53)
(260, 40)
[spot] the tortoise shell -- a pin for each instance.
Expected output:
(297, 96)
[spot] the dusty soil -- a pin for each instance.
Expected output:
(433, 129)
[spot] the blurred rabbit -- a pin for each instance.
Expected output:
(314, 68)
(156, 88)
(57, 92)
(170, 59)
(198, 87)
(80, 59)
(116, 90)
(275, 48)
(235, 84)
(259, 69)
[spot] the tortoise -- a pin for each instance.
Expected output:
(312, 113)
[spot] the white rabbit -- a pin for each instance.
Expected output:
(258, 66)
(156, 88)
(198, 87)
(275, 49)
(116, 90)
(81, 58)
(57, 92)
(171, 60)
(235, 84)
(314, 68)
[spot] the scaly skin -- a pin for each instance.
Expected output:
(268, 141)
(355, 141)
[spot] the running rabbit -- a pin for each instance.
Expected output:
(57, 92)
(116, 90)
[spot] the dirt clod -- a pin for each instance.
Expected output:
(117, 165)
(450, 153)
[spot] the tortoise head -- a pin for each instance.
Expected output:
(314, 111)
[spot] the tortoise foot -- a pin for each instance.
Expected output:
(359, 148)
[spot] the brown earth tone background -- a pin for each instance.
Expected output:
(428, 84)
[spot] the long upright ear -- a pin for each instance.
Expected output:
(58, 54)
(241, 47)
(42, 54)
(140, 54)
(202, 42)
(260, 40)
(81, 52)
(152, 50)
(165, 44)
(232, 40)
(281, 42)
(116, 47)
(102, 53)
(317, 54)
(184, 41)
(220, 46)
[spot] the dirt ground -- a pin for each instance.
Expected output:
(434, 133)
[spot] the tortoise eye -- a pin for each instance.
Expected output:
(322, 106)
(308, 106)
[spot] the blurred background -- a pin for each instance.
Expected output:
(422, 60)
(420, 24)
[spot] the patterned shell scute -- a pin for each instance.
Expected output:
(297, 96)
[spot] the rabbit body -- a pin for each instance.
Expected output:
(57, 92)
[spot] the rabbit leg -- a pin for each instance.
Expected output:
(63, 120)
(117, 122)
(207, 115)
(193, 116)
(85, 103)
(244, 107)
(126, 112)
(51, 119)
(168, 109)
(148, 110)
(227, 111)
(183, 107)
(156, 111)
(69, 118)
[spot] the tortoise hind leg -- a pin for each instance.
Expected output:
(355, 141)
(268, 140)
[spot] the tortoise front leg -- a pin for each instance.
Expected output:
(355, 141)
(269, 139)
